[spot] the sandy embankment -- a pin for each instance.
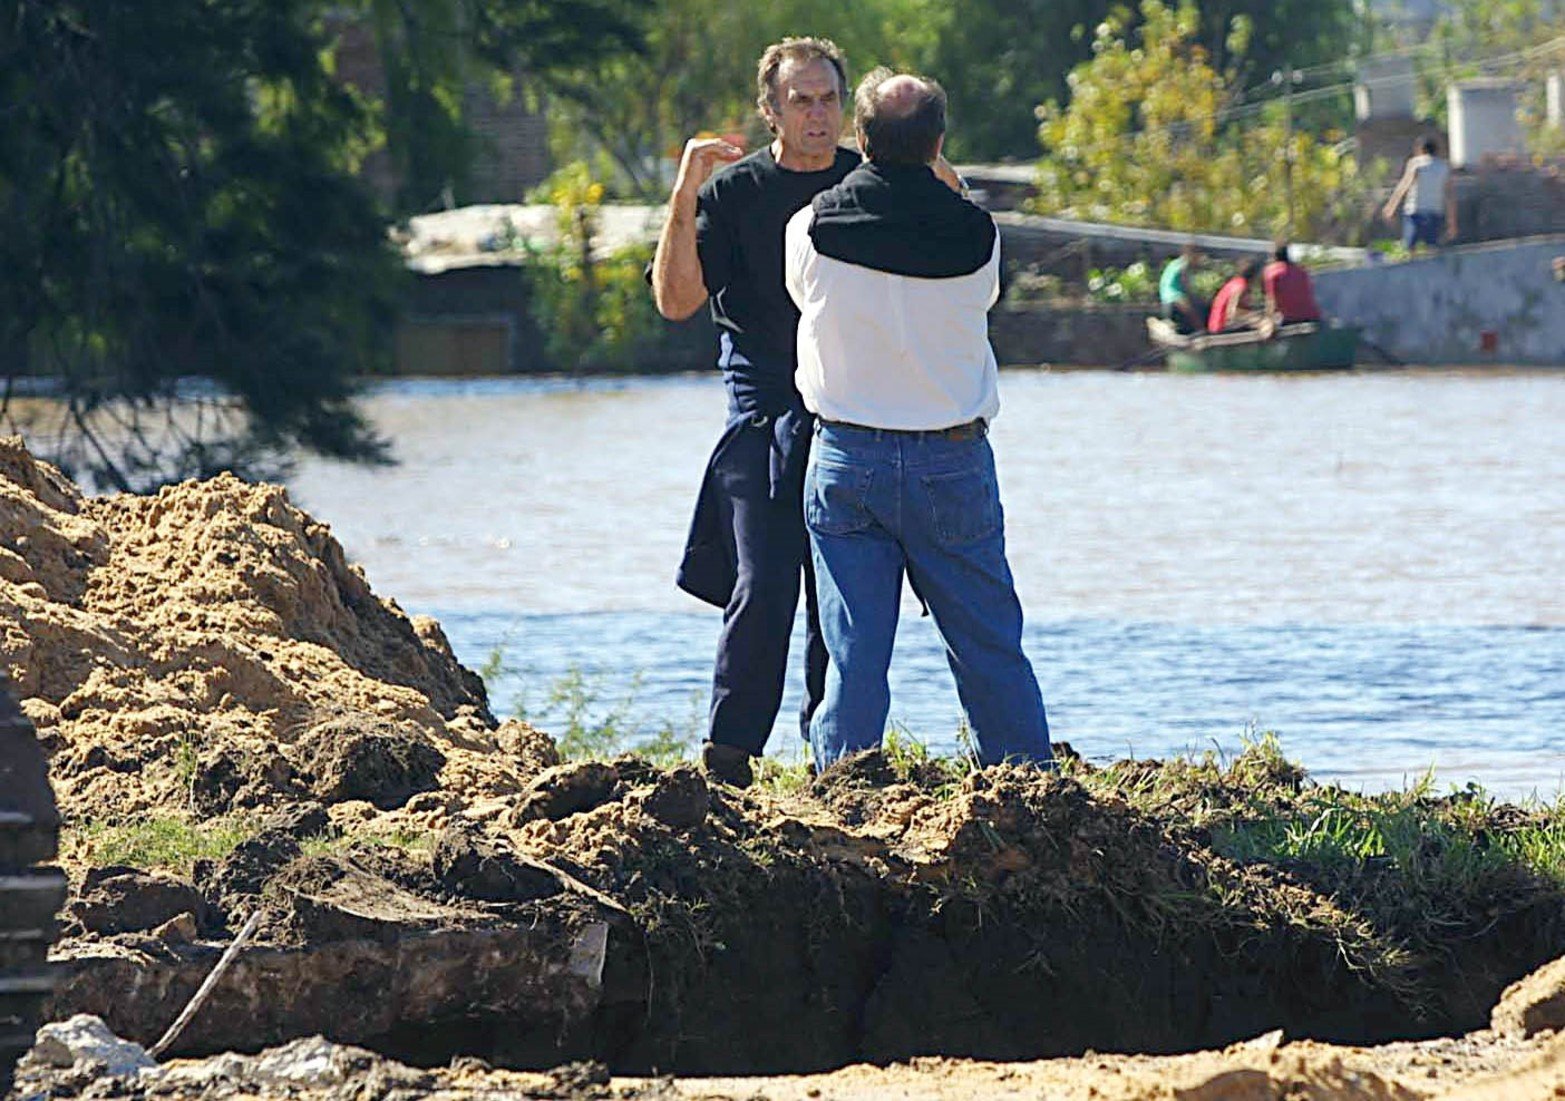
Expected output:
(433, 882)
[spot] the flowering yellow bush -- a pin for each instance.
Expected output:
(1144, 141)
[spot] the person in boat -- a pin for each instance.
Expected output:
(1232, 308)
(1290, 296)
(894, 273)
(1426, 199)
(723, 243)
(1176, 292)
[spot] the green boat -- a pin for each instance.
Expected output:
(1303, 347)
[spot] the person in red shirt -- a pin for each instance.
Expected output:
(1289, 295)
(1231, 309)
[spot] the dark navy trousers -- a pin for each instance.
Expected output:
(771, 555)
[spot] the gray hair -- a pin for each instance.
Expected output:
(799, 51)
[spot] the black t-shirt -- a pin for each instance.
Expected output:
(741, 214)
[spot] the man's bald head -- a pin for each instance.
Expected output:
(900, 117)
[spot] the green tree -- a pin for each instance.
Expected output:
(1147, 140)
(1277, 35)
(998, 60)
(435, 51)
(698, 74)
(177, 200)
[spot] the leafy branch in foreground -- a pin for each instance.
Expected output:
(174, 213)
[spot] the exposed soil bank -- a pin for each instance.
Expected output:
(435, 884)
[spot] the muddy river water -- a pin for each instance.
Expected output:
(1371, 565)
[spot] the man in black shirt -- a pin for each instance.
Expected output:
(723, 243)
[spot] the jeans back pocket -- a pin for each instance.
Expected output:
(836, 498)
(962, 506)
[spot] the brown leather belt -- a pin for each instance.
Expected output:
(975, 429)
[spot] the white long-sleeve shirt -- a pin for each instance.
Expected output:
(891, 351)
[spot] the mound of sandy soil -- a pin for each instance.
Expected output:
(432, 884)
(210, 648)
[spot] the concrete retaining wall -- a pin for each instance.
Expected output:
(1083, 336)
(1497, 303)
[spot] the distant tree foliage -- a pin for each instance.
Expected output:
(998, 60)
(434, 51)
(1277, 35)
(1145, 140)
(698, 75)
(176, 200)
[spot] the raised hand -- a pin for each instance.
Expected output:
(700, 159)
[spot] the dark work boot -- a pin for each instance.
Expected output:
(726, 764)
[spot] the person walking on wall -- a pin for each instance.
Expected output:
(894, 273)
(1426, 199)
(722, 244)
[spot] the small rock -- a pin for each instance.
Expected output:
(433, 803)
(680, 799)
(86, 1040)
(312, 1061)
(180, 929)
(486, 810)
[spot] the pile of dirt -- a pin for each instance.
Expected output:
(433, 884)
(210, 648)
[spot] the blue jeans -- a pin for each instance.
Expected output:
(1426, 228)
(881, 503)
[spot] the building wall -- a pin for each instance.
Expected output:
(1501, 202)
(1496, 303)
(513, 148)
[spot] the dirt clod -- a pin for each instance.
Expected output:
(126, 900)
(379, 762)
(569, 789)
(679, 798)
(230, 778)
(470, 865)
(1533, 1004)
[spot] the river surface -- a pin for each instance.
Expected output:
(1371, 565)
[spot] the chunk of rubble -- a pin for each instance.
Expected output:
(85, 1042)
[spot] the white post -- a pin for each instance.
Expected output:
(1554, 95)
(1483, 120)
(1384, 88)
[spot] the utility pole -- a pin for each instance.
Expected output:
(1287, 79)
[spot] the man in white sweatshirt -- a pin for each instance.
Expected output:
(894, 272)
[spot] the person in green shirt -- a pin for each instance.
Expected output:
(1180, 304)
